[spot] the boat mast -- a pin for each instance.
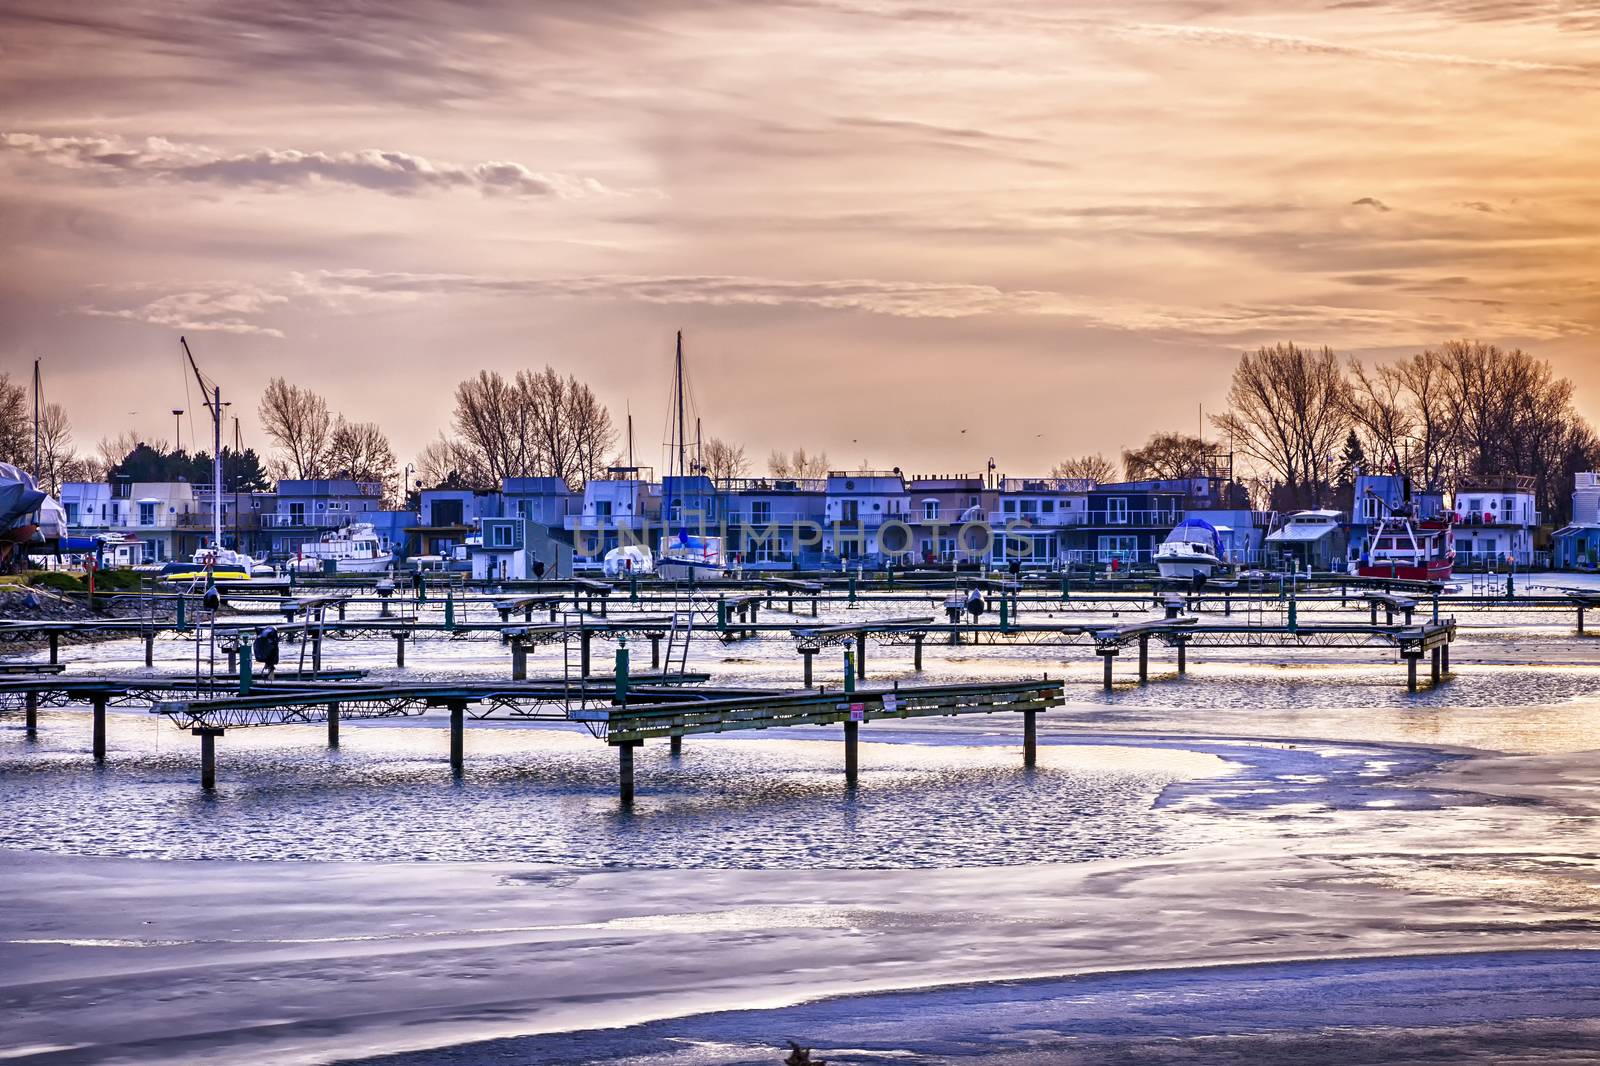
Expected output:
(36, 471)
(682, 443)
(213, 400)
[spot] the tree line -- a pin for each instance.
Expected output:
(1303, 422)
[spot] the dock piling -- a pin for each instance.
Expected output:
(55, 646)
(1107, 655)
(1030, 739)
(519, 660)
(1444, 658)
(333, 725)
(676, 745)
(30, 703)
(399, 651)
(585, 638)
(916, 652)
(1411, 670)
(458, 724)
(852, 765)
(208, 756)
(625, 772)
(1436, 667)
(806, 655)
(861, 655)
(98, 701)
(150, 650)
(1183, 655)
(1144, 659)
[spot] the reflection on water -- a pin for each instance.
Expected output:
(538, 795)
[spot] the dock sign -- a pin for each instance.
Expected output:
(858, 712)
(891, 703)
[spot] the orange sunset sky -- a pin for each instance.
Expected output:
(878, 223)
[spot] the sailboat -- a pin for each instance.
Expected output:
(682, 551)
(214, 562)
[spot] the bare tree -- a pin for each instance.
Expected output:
(16, 441)
(1379, 406)
(1096, 469)
(495, 425)
(359, 451)
(722, 461)
(592, 432)
(445, 462)
(56, 459)
(298, 423)
(1169, 455)
(797, 464)
(1290, 414)
(112, 450)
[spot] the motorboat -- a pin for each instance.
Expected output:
(355, 549)
(1192, 550)
(1405, 548)
(216, 564)
(628, 559)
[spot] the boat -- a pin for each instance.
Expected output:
(1404, 547)
(628, 559)
(355, 549)
(1192, 550)
(215, 564)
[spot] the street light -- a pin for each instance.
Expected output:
(177, 426)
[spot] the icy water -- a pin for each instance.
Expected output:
(949, 793)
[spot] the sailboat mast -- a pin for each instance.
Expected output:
(682, 442)
(36, 471)
(216, 460)
(630, 441)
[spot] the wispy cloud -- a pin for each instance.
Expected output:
(1372, 202)
(1295, 44)
(254, 308)
(381, 170)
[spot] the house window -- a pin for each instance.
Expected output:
(930, 510)
(1030, 506)
(1509, 510)
(1117, 547)
(147, 514)
(761, 512)
(1047, 506)
(602, 508)
(1117, 511)
(1009, 506)
(501, 535)
(1371, 508)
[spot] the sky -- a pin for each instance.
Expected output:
(902, 233)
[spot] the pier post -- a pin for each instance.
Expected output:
(1144, 659)
(341, 609)
(449, 611)
(625, 771)
(458, 728)
(400, 651)
(247, 661)
(1374, 612)
(183, 624)
(98, 701)
(814, 597)
(677, 745)
(208, 756)
(655, 650)
(333, 725)
(1183, 656)
(621, 672)
(584, 639)
(1411, 670)
(852, 764)
(1108, 656)
(1030, 739)
(150, 649)
(1580, 619)
(722, 614)
(916, 652)
(806, 655)
(30, 721)
(55, 647)
(233, 658)
(1227, 605)
(316, 650)
(861, 654)
(1444, 658)
(1436, 666)
(519, 660)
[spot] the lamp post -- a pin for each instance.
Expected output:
(177, 429)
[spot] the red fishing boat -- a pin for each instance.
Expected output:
(1406, 548)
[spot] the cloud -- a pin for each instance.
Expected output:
(246, 308)
(1314, 46)
(392, 172)
(1372, 202)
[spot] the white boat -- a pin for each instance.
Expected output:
(355, 549)
(628, 559)
(1193, 549)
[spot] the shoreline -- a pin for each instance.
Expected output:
(197, 959)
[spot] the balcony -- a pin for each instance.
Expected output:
(1062, 485)
(318, 520)
(1038, 519)
(1156, 519)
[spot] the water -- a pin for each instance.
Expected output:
(951, 793)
